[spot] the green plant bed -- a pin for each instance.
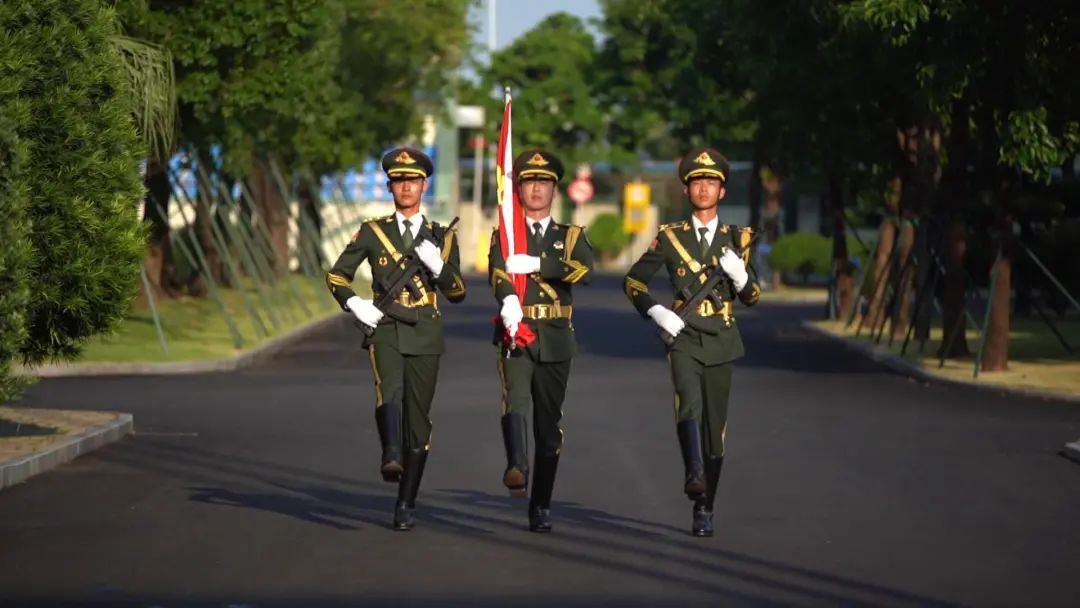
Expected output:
(607, 236)
(806, 254)
(195, 328)
(1036, 358)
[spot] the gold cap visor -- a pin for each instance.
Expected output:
(539, 173)
(406, 172)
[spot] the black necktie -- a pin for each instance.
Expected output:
(538, 233)
(407, 236)
(704, 242)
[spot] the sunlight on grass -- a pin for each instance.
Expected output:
(785, 293)
(196, 329)
(1037, 359)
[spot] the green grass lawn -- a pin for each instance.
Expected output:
(795, 294)
(1037, 359)
(195, 328)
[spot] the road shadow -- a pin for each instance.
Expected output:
(10, 428)
(584, 535)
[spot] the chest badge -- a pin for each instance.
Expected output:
(680, 272)
(382, 260)
(558, 245)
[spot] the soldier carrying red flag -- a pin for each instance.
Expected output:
(532, 265)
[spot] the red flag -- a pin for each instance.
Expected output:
(512, 233)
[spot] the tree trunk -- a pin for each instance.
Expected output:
(842, 267)
(925, 288)
(996, 352)
(903, 293)
(954, 320)
(955, 188)
(155, 213)
(273, 213)
(770, 226)
(875, 312)
(204, 232)
(311, 235)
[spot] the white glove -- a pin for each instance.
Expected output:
(666, 319)
(511, 313)
(364, 310)
(430, 255)
(522, 264)
(735, 268)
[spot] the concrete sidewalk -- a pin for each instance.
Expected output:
(69, 434)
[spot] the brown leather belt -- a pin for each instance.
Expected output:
(708, 309)
(547, 311)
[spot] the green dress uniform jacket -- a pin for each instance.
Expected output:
(676, 248)
(566, 259)
(380, 243)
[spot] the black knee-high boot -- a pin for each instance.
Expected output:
(703, 507)
(690, 444)
(408, 488)
(543, 485)
(388, 421)
(516, 476)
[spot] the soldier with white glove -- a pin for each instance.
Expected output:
(701, 361)
(404, 357)
(534, 365)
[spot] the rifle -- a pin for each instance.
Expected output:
(714, 277)
(391, 286)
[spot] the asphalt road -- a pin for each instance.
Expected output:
(845, 484)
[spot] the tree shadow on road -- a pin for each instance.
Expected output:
(590, 537)
(316, 512)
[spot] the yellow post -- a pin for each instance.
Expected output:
(636, 197)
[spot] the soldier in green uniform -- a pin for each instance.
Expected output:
(534, 377)
(404, 358)
(701, 358)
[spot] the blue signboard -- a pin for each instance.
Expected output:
(368, 183)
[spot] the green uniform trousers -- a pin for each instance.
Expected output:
(701, 394)
(408, 381)
(531, 385)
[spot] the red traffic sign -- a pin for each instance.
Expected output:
(580, 191)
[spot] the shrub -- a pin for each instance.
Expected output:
(607, 235)
(65, 78)
(808, 253)
(15, 253)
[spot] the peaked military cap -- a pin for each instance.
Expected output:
(407, 162)
(703, 162)
(538, 164)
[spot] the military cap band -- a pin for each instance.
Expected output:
(538, 173)
(404, 172)
(407, 162)
(704, 173)
(703, 162)
(538, 164)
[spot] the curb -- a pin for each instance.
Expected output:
(903, 366)
(21, 468)
(134, 368)
(1072, 451)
